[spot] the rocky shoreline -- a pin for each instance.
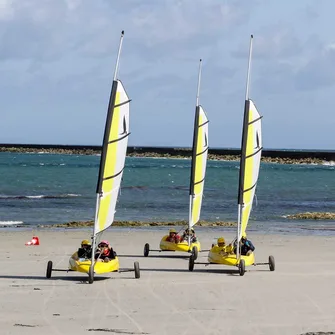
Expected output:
(174, 153)
(312, 216)
(83, 224)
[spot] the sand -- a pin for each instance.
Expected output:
(297, 298)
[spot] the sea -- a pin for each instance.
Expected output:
(45, 189)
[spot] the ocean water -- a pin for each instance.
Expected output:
(49, 188)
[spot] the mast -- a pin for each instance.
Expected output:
(195, 135)
(243, 149)
(104, 147)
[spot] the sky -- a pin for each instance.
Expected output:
(57, 59)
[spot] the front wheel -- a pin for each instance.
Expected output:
(195, 252)
(241, 267)
(272, 264)
(49, 269)
(91, 275)
(146, 250)
(191, 263)
(137, 270)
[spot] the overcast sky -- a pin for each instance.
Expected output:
(57, 59)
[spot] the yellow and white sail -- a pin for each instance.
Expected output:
(199, 159)
(250, 162)
(199, 163)
(113, 156)
(250, 157)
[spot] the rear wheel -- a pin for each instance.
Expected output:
(49, 269)
(191, 263)
(272, 264)
(146, 250)
(91, 275)
(241, 267)
(137, 270)
(195, 252)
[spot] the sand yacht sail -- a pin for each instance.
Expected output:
(112, 163)
(250, 158)
(113, 155)
(199, 160)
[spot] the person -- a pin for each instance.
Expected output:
(85, 250)
(186, 234)
(221, 247)
(104, 252)
(173, 236)
(246, 246)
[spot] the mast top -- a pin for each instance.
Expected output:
(118, 56)
(199, 79)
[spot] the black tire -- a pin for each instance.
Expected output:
(191, 263)
(49, 269)
(241, 267)
(272, 264)
(195, 252)
(137, 270)
(91, 275)
(146, 250)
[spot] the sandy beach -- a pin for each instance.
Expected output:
(297, 298)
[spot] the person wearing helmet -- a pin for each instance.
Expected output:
(186, 234)
(173, 236)
(220, 247)
(85, 250)
(221, 242)
(246, 246)
(104, 252)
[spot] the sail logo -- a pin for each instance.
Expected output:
(257, 141)
(124, 126)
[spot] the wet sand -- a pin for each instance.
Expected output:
(298, 297)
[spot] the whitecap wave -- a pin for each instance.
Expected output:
(330, 163)
(10, 223)
(40, 196)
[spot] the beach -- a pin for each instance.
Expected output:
(298, 297)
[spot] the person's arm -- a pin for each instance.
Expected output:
(251, 246)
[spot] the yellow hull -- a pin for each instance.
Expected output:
(182, 246)
(99, 267)
(229, 259)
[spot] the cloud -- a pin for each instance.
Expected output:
(271, 42)
(319, 71)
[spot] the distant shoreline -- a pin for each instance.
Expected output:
(271, 156)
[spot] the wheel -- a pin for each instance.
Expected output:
(146, 250)
(195, 252)
(91, 275)
(137, 269)
(191, 263)
(241, 267)
(49, 269)
(272, 264)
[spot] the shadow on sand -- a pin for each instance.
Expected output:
(78, 279)
(167, 255)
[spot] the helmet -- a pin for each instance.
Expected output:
(172, 230)
(85, 242)
(104, 242)
(221, 240)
